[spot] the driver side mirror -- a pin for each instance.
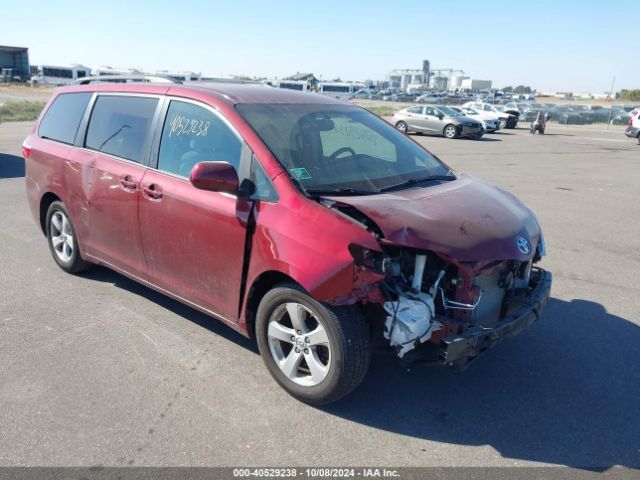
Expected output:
(440, 116)
(215, 177)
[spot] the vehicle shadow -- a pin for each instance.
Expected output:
(11, 166)
(565, 392)
(485, 139)
(106, 275)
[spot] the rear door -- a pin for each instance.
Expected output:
(116, 146)
(415, 118)
(194, 240)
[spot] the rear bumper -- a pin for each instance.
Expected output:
(632, 131)
(476, 340)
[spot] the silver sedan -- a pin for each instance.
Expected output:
(439, 120)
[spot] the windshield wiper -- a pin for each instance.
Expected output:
(340, 191)
(414, 181)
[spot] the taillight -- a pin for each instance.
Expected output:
(631, 121)
(26, 151)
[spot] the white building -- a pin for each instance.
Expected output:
(456, 81)
(403, 78)
(474, 84)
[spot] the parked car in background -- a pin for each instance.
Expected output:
(530, 112)
(401, 97)
(620, 116)
(633, 129)
(490, 122)
(506, 119)
(364, 93)
(296, 219)
(511, 108)
(430, 97)
(440, 120)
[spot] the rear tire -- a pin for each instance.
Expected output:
(450, 131)
(402, 127)
(503, 124)
(62, 239)
(318, 353)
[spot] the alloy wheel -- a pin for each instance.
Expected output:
(61, 236)
(450, 131)
(299, 344)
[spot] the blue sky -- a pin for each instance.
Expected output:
(550, 45)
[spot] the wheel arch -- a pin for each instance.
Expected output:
(46, 200)
(260, 286)
(444, 129)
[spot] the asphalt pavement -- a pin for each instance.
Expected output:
(98, 370)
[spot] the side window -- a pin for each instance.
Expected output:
(193, 134)
(431, 111)
(414, 110)
(120, 125)
(62, 120)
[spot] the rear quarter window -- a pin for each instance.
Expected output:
(62, 119)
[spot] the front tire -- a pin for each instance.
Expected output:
(450, 131)
(62, 239)
(402, 127)
(503, 123)
(317, 352)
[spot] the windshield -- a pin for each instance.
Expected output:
(339, 148)
(450, 111)
(470, 111)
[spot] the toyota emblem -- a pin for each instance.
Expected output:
(523, 245)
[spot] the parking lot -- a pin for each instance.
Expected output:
(98, 370)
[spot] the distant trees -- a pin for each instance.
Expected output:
(508, 89)
(522, 89)
(633, 94)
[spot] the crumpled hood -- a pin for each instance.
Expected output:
(466, 219)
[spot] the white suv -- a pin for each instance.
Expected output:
(633, 130)
(506, 119)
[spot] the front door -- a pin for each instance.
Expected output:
(432, 120)
(194, 240)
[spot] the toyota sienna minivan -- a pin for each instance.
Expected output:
(307, 223)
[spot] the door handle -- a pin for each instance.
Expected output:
(152, 191)
(128, 182)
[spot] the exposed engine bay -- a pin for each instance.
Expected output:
(428, 297)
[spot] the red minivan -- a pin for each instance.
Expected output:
(305, 222)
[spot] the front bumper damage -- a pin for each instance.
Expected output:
(460, 349)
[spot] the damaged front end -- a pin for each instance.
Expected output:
(450, 312)
(458, 264)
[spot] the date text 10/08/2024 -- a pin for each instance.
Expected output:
(315, 472)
